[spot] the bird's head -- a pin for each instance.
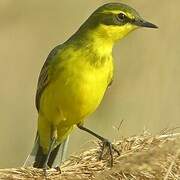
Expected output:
(113, 21)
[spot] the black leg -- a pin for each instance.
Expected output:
(105, 142)
(45, 166)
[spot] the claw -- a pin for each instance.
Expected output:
(58, 169)
(45, 168)
(106, 143)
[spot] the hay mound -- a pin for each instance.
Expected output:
(142, 157)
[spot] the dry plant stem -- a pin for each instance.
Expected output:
(171, 166)
(144, 157)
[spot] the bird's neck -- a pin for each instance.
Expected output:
(95, 41)
(99, 45)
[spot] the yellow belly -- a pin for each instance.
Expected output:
(75, 93)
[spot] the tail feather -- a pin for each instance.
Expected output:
(31, 157)
(61, 155)
(53, 156)
(37, 156)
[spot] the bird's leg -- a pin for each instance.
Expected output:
(52, 143)
(105, 142)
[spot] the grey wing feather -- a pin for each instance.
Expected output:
(31, 157)
(43, 77)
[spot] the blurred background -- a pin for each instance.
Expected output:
(146, 90)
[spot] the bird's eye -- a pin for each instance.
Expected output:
(121, 16)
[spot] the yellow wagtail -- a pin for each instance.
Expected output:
(74, 78)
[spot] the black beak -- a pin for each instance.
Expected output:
(143, 23)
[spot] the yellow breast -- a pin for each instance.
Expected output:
(77, 90)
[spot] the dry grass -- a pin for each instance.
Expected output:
(142, 157)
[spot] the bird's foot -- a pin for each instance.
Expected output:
(58, 169)
(45, 168)
(111, 147)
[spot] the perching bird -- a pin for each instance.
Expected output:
(75, 77)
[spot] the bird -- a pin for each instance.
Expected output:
(74, 79)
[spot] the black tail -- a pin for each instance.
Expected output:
(37, 157)
(41, 157)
